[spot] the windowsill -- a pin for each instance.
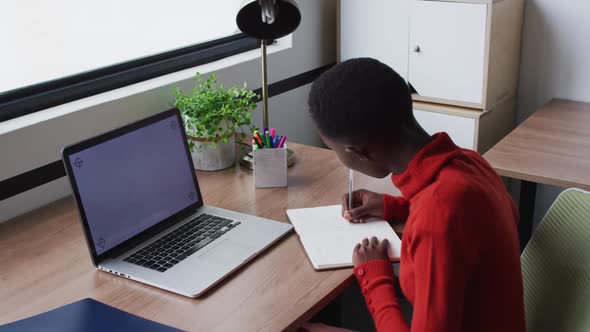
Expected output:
(84, 103)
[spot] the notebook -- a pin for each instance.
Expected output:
(329, 239)
(86, 315)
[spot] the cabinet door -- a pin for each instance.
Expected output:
(460, 129)
(447, 50)
(376, 29)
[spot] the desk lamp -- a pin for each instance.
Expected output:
(267, 20)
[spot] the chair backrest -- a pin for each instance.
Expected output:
(556, 267)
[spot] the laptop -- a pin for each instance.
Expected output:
(143, 214)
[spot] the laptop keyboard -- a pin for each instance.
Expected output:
(182, 242)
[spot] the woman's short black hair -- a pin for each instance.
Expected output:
(360, 99)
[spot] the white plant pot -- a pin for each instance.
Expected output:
(207, 158)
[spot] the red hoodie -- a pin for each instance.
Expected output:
(460, 256)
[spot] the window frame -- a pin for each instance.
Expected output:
(34, 98)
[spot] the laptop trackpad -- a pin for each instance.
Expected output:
(227, 252)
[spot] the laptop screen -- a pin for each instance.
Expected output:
(132, 182)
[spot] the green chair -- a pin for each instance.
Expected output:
(556, 267)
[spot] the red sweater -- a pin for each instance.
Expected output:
(460, 256)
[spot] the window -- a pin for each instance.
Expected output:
(58, 51)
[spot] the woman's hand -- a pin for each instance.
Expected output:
(369, 250)
(365, 204)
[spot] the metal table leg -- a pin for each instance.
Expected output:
(528, 191)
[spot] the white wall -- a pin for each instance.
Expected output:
(36, 145)
(555, 63)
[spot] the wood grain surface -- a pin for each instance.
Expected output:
(551, 147)
(44, 261)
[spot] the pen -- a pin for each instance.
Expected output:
(349, 188)
(273, 133)
(276, 141)
(254, 145)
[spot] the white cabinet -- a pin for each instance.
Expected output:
(460, 129)
(447, 44)
(457, 52)
(377, 29)
(461, 57)
(469, 129)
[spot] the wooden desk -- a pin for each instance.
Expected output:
(44, 262)
(551, 147)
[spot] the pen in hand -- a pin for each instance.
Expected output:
(350, 188)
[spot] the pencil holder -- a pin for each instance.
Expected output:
(270, 168)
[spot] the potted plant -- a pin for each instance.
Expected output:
(213, 115)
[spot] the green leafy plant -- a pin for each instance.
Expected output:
(214, 113)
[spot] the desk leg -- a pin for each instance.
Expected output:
(528, 192)
(332, 313)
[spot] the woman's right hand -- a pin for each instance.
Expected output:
(365, 204)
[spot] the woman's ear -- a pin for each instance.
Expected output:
(359, 152)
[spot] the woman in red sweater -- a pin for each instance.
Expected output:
(460, 257)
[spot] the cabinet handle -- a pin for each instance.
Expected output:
(416, 48)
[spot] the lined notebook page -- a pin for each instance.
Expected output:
(329, 239)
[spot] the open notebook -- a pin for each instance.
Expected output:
(329, 239)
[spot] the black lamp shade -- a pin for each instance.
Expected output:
(249, 20)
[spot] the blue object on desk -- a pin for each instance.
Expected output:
(86, 315)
